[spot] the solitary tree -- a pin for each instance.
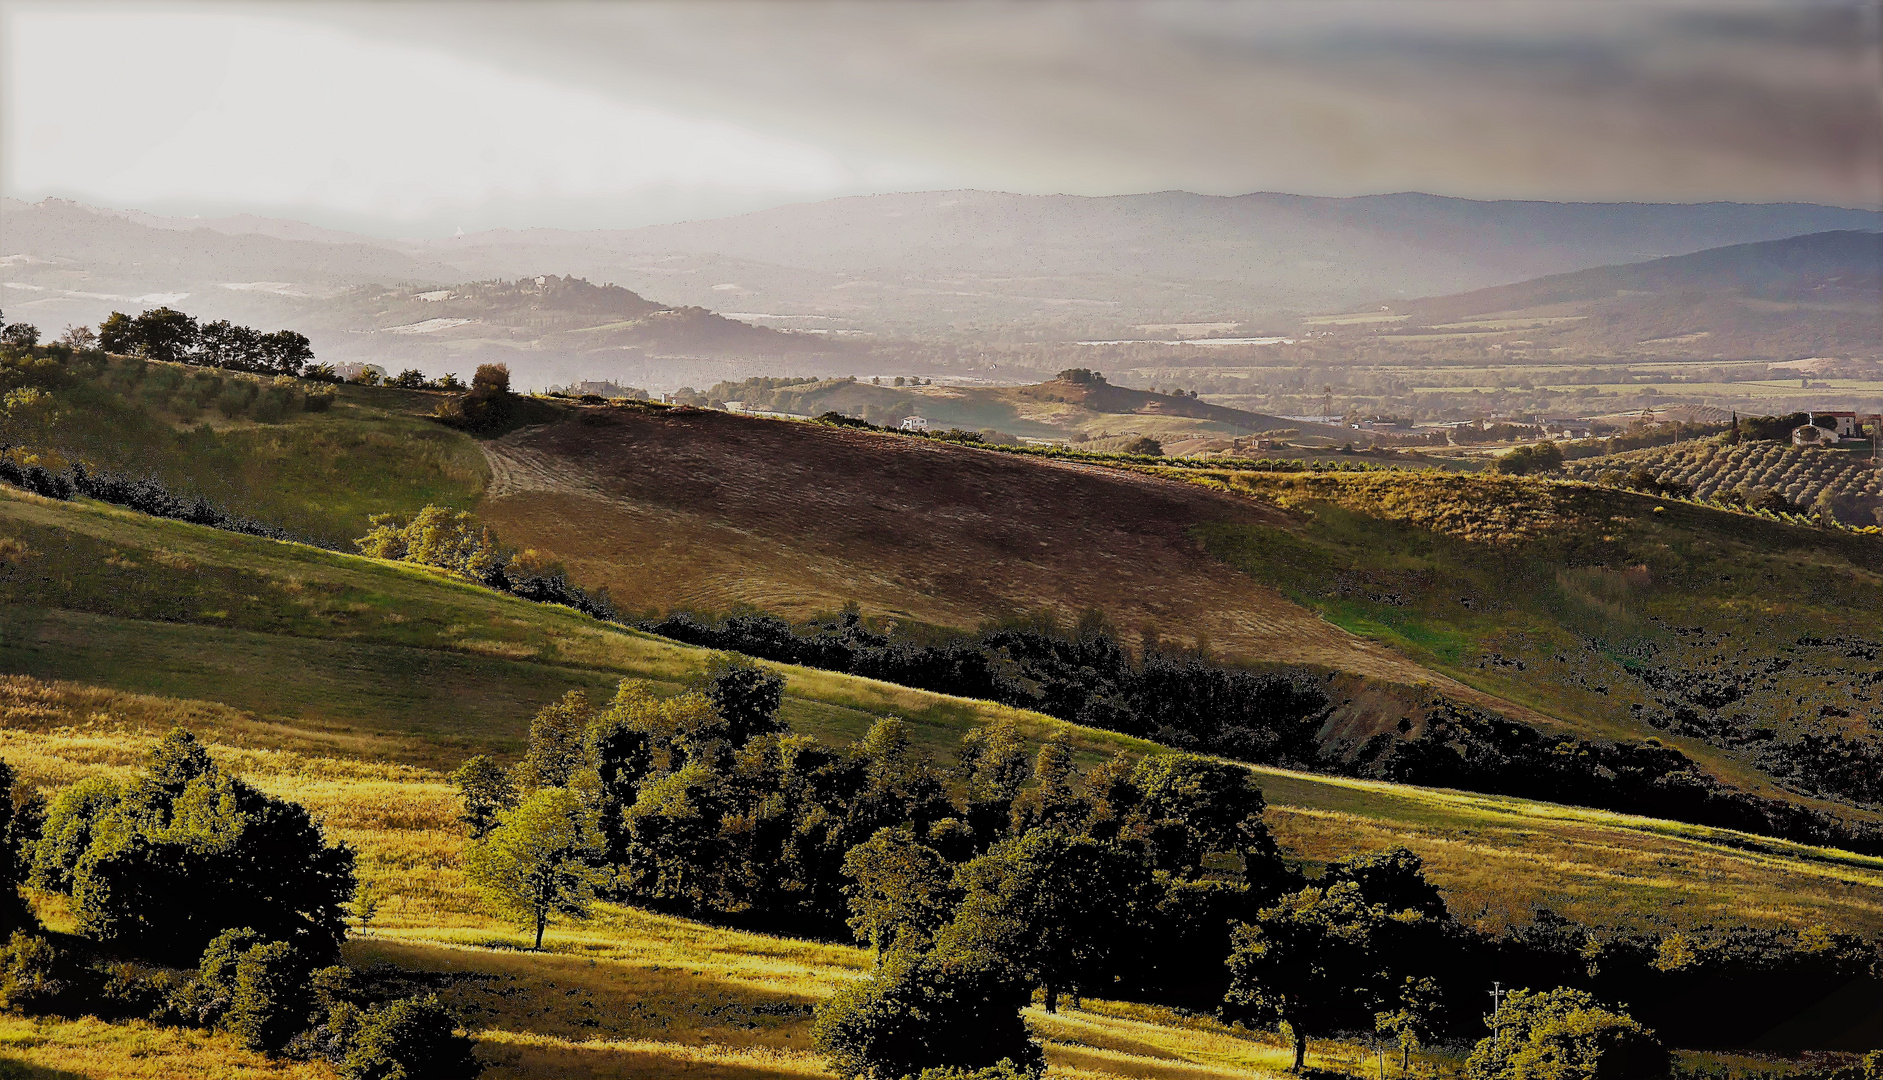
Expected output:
(538, 861)
(1414, 1020)
(1319, 960)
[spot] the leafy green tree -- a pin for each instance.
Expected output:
(747, 697)
(929, 1010)
(436, 537)
(187, 852)
(165, 334)
(901, 891)
(557, 736)
(1415, 1018)
(1054, 801)
(676, 852)
(1394, 880)
(1146, 446)
(67, 833)
(411, 1039)
(992, 765)
(409, 379)
(19, 335)
(487, 790)
(899, 786)
(118, 334)
(284, 352)
(21, 822)
(1186, 807)
(1054, 908)
(1565, 1034)
(538, 861)
(270, 1002)
(1318, 961)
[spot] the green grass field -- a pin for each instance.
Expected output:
(318, 474)
(1573, 600)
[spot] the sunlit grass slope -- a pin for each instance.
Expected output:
(1592, 606)
(631, 992)
(316, 474)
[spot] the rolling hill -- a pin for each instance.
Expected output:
(354, 686)
(1056, 409)
(1574, 608)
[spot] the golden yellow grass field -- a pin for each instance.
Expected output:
(631, 992)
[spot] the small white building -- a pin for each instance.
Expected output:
(913, 423)
(1813, 435)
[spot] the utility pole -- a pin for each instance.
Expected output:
(1498, 994)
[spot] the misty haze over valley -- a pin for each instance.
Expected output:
(963, 540)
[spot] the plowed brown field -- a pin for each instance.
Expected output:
(711, 511)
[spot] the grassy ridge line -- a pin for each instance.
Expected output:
(295, 620)
(1315, 813)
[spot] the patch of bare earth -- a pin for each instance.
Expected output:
(711, 511)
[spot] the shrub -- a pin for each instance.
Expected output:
(317, 402)
(188, 852)
(410, 1039)
(271, 997)
(217, 967)
(927, 1010)
(1565, 1033)
(33, 975)
(1146, 446)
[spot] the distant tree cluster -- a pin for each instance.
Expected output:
(487, 408)
(453, 541)
(234, 895)
(1085, 676)
(166, 334)
(1461, 746)
(1533, 458)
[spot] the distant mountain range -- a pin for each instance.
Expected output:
(1804, 296)
(927, 263)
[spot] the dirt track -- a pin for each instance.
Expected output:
(712, 511)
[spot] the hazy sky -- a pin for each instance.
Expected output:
(420, 118)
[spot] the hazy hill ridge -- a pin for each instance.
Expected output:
(941, 260)
(1836, 267)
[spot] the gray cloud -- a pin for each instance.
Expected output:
(1559, 100)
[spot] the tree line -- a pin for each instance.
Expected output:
(166, 334)
(199, 901)
(1014, 875)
